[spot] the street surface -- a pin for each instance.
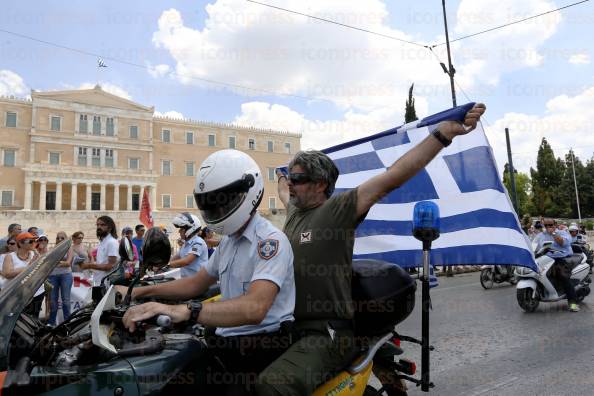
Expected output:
(486, 345)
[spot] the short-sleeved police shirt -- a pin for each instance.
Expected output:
(261, 252)
(196, 247)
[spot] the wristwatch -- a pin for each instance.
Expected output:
(195, 307)
(441, 138)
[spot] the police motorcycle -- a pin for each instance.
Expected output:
(491, 274)
(535, 287)
(92, 352)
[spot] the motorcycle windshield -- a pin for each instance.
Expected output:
(18, 292)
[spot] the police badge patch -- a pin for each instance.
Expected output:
(267, 248)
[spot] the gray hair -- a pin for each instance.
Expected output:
(318, 166)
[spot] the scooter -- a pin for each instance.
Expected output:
(491, 274)
(534, 287)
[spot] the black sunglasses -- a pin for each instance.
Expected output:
(12, 243)
(299, 178)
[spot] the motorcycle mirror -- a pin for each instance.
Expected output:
(156, 250)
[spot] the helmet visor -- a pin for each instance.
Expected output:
(217, 205)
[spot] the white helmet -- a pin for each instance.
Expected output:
(573, 227)
(187, 221)
(229, 188)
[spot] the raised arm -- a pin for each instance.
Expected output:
(413, 161)
(283, 188)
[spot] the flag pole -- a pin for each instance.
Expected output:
(577, 197)
(451, 71)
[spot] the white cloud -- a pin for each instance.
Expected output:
(258, 47)
(567, 123)
(316, 134)
(12, 84)
(159, 70)
(108, 87)
(170, 114)
(579, 59)
(484, 58)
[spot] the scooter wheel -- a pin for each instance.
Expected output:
(487, 278)
(526, 301)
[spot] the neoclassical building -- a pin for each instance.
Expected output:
(89, 150)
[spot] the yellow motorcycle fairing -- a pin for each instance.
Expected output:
(346, 384)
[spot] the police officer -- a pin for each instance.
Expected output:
(253, 263)
(193, 254)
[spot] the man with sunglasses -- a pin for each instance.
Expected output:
(13, 230)
(321, 229)
(561, 248)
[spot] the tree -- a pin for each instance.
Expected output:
(410, 113)
(547, 196)
(523, 190)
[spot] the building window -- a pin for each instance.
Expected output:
(109, 158)
(288, 148)
(189, 201)
(212, 140)
(96, 125)
(96, 157)
(82, 156)
(189, 137)
(109, 127)
(135, 201)
(9, 158)
(189, 169)
(55, 123)
(232, 142)
(271, 202)
(270, 146)
(166, 168)
(133, 163)
(166, 136)
(166, 201)
(133, 132)
(7, 197)
(50, 200)
(251, 144)
(271, 174)
(11, 119)
(54, 158)
(95, 201)
(83, 124)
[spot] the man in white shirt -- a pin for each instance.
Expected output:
(107, 251)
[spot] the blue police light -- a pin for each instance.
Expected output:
(426, 221)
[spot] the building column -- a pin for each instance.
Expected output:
(88, 201)
(116, 197)
(42, 195)
(129, 198)
(102, 198)
(58, 195)
(154, 198)
(28, 190)
(73, 196)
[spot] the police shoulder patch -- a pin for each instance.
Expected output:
(267, 248)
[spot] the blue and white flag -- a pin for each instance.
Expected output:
(478, 223)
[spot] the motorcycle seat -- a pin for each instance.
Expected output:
(572, 260)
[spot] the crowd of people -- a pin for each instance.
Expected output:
(19, 248)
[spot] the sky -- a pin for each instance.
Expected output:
(239, 62)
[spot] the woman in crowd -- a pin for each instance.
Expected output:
(61, 281)
(11, 246)
(80, 253)
(128, 256)
(42, 242)
(16, 262)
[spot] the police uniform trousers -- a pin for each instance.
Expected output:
(236, 361)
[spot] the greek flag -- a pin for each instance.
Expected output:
(478, 223)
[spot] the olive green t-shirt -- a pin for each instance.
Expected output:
(322, 239)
